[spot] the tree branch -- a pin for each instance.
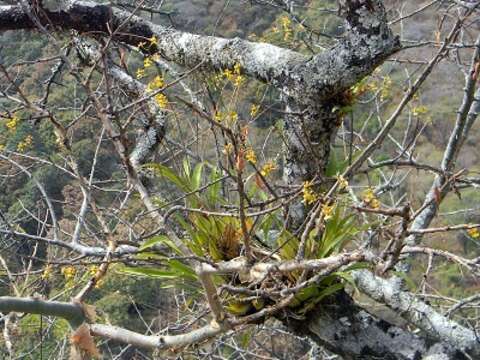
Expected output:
(434, 324)
(353, 333)
(368, 43)
(68, 311)
(75, 315)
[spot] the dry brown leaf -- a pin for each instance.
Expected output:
(229, 242)
(82, 341)
(437, 38)
(76, 354)
(438, 195)
(240, 162)
(259, 182)
(475, 71)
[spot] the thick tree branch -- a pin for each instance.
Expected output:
(260, 60)
(350, 331)
(157, 342)
(68, 311)
(76, 316)
(368, 43)
(434, 324)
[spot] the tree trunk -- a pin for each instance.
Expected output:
(346, 329)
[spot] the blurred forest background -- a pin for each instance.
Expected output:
(138, 302)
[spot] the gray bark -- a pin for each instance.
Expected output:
(152, 120)
(354, 333)
(350, 331)
(68, 311)
(316, 78)
(434, 325)
(316, 90)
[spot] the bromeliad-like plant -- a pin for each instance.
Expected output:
(214, 239)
